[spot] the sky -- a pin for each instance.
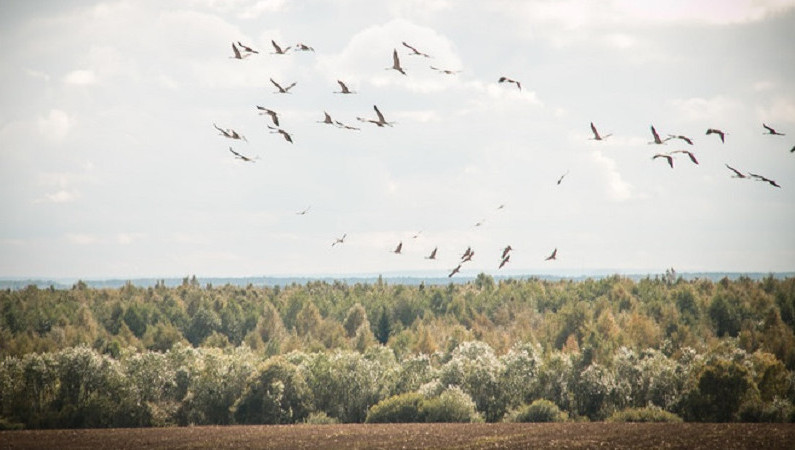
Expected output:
(110, 166)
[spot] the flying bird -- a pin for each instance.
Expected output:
(508, 80)
(467, 253)
(274, 115)
(761, 178)
(656, 136)
(380, 122)
(505, 251)
(237, 54)
(689, 154)
(414, 51)
(396, 63)
(772, 131)
(684, 138)
(327, 119)
(247, 48)
(554, 255)
(560, 180)
(286, 135)
(279, 50)
(339, 240)
(504, 261)
(596, 135)
(468, 257)
(242, 157)
(230, 133)
(303, 211)
(433, 254)
(445, 71)
(719, 133)
(398, 248)
(667, 157)
(303, 48)
(343, 89)
(792, 150)
(282, 90)
(347, 127)
(737, 173)
(455, 271)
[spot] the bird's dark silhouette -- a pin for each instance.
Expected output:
(509, 80)
(414, 51)
(596, 135)
(554, 255)
(771, 131)
(720, 133)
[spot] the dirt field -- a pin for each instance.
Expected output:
(411, 436)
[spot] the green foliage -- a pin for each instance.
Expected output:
(452, 405)
(647, 414)
(197, 354)
(277, 394)
(403, 408)
(540, 410)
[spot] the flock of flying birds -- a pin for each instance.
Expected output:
(241, 52)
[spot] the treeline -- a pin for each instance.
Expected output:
(195, 354)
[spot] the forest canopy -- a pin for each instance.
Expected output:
(659, 348)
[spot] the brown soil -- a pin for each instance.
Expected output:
(412, 436)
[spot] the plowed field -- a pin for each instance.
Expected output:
(412, 436)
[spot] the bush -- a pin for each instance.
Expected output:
(779, 410)
(453, 405)
(647, 414)
(320, 418)
(403, 408)
(541, 410)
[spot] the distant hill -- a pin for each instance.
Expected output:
(409, 280)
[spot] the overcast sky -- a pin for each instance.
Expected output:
(110, 165)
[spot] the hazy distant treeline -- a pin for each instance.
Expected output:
(330, 351)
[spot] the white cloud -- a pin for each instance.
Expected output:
(62, 196)
(80, 77)
(698, 109)
(55, 125)
(615, 187)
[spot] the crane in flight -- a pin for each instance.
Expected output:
(273, 114)
(299, 47)
(278, 49)
(455, 271)
(433, 254)
(380, 122)
(656, 137)
(596, 135)
(241, 157)
(668, 157)
(684, 138)
(398, 249)
(230, 133)
(339, 240)
(688, 153)
(737, 173)
(720, 133)
(246, 48)
(236, 53)
(414, 51)
(285, 134)
(554, 255)
(508, 80)
(396, 63)
(766, 180)
(771, 131)
(504, 261)
(282, 90)
(343, 89)
(445, 71)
